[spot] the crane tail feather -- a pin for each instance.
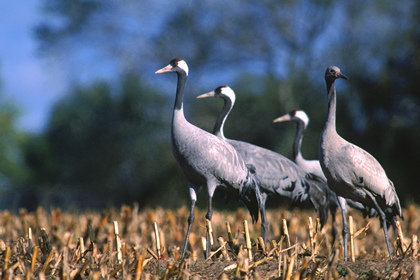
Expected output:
(320, 198)
(250, 194)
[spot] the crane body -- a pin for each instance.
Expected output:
(206, 160)
(276, 173)
(353, 173)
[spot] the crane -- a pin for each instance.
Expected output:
(302, 121)
(276, 173)
(207, 160)
(314, 167)
(352, 172)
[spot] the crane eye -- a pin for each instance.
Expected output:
(332, 71)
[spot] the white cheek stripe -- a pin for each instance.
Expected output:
(303, 116)
(183, 65)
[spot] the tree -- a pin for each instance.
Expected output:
(107, 143)
(273, 54)
(13, 172)
(383, 97)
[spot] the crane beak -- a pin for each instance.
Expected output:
(208, 94)
(283, 118)
(342, 76)
(165, 69)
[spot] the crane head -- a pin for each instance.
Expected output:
(175, 65)
(333, 73)
(295, 115)
(224, 92)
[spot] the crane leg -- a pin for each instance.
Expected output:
(264, 222)
(193, 196)
(333, 211)
(209, 215)
(345, 226)
(190, 222)
(382, 217)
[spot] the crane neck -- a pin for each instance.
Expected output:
(297, 145)
(221, 119)
(332, 106)
(182, 78)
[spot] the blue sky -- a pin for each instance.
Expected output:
(33, 84)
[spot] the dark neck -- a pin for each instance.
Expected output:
(220, 122)
(332, 104)
(298, 139)
(182, 78)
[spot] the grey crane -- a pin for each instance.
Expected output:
(276, 173)
(206, 160)
(314, 167)
(302, 120)
(352, 172)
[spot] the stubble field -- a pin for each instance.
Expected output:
(127, 243)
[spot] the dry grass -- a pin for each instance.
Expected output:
(122, 244)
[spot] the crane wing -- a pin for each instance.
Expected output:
(276, 173)
(369, 174)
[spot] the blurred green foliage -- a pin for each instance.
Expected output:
(106, 143)
(13, 171)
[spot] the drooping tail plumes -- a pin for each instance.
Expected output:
(250, 193)
(320, 197)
